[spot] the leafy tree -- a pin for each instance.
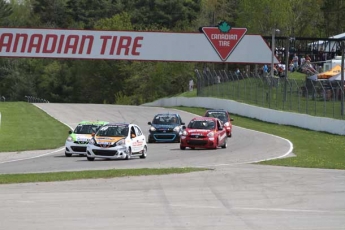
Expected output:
(5, 12)
(52, 13)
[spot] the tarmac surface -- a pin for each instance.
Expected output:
(232, 195)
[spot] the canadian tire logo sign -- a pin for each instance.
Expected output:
(223, 38)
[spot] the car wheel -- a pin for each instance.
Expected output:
(90, 158)
(129, 154)
(182, 147)
(192, 148)
(68, 154)
(144, 153)
(225, 144)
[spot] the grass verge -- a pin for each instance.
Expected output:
(94, 174)
(313, 149)
(26, 127)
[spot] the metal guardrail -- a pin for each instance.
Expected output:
(316, 98)
(32, 99)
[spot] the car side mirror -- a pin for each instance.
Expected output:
(183, 127)
(149, 123)
(70, 132)
(220, 128)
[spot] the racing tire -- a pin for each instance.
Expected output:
(225, 144)
(182, 147)
(150, 140)
(68, 154)
(144, 153)
(192, 148)
(129, 154)
(90, 158)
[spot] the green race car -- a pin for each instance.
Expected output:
(78, 139)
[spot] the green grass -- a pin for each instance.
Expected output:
(96, 174)
(296, 75)
(256, 91)
(313, 149)
(26, 127)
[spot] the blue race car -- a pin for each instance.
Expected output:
(165, 127)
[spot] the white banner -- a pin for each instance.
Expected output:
(126, 45)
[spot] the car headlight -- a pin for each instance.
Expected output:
(69, 138)
(92, 141)
(177, 129)
(210, 134)
(185, 133)
(121, 142)
(152, 129)
(227, 124)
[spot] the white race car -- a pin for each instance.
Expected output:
(77, 139)
(117, 141)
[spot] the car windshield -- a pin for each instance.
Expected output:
(165, 119)
(113, 131)
(86, 129)
(221, 115)
(201, 124)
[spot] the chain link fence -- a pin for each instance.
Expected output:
(317, 98)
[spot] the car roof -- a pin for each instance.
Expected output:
(216, 110)
(93, 122)
(117, 124)
(164, 114)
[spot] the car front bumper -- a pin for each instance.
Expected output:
(75, 147)
(206, 142)
(164, 137)
(117, 152)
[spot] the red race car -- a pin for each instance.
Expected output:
(204, 132)
(222, 115)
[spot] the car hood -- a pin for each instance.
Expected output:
(81, 137)
(107, 139)
(199, 131)
(163, 127)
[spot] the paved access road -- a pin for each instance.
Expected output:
(234, 195)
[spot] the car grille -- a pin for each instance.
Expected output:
(78, 148)
(81, 142)
(165, 130)
(197, 142)
(106, 153)
(164, 136)
(197, 136)
(104, 145)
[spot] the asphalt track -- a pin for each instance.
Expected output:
(234, 195)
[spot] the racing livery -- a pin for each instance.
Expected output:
(204, 132)
(224, 117)
(117, 141)
(165, 127)
(78, 138)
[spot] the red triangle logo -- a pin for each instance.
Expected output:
(224, 43)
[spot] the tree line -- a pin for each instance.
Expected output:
(132, 82)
